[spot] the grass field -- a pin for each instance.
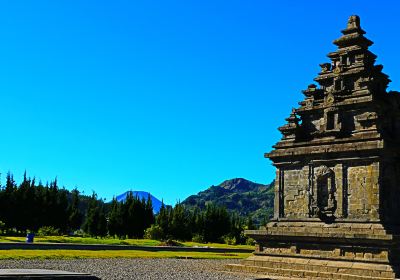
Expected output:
(79, 254)
(113, 241)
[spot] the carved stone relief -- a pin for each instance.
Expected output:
(322, 195)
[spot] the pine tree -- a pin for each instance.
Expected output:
(149, 213)
(114, 224)
(179, 225)
(216, 223)
(95, 223)
(163, 220)
(197, 223)
(41, 205)
(92, 218)
(102, 221)
(9, 213)
(250, 223)
(74, 214)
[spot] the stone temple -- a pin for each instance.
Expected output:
(337, 202)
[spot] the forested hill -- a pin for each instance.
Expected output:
(240, 195)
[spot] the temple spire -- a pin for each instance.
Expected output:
(353, 35)
(353, 24)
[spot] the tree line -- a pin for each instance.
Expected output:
(32, 206)
(212, 224)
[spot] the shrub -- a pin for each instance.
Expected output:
(154, 232)
(171, 243)
(250, 241)
(79, 233)
(14, 232)
(198, 238)
(48, 231)
(229, 240)
(2, 225)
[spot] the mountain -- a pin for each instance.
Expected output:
(142, 195)
(240, 195)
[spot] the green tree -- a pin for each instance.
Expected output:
(9, 201)
(95, 223)
(114, 224)
(163, 220)
(102, 225)
(180, 223)
(74, 214)
(250, 223)
(216, 223)
(149, 213)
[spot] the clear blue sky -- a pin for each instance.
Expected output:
(164, 96)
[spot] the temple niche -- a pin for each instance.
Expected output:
(336, 207)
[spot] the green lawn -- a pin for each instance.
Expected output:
(113, 241)
(217, 245)
(79, 254)
(84, 240)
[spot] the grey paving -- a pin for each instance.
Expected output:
(146, 269)
(13, 273)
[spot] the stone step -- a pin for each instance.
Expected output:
(379, 271)
(337, 230)
(321, 232)
(321, 265)
(300, 274)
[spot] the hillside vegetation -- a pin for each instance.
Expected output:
(239, 195)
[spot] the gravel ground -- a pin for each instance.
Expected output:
(146, 269)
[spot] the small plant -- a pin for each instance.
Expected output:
(171, 243)
(13, 232)
(154, 232)
(250, 241)
(79, 233)
(2, 226)
(48, 231)
(229, 240)
(198, 238)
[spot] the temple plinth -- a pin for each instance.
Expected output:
(336, 207)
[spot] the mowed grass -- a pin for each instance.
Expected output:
(81, 254)
(114, 241)
(84, 240)
(216, 245)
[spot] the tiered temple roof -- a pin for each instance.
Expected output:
(349, 82)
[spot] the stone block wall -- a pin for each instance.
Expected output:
(363, 191)
(354, 185)
(295, 192)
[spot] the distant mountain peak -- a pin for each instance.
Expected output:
(141, 195)
(237, 184)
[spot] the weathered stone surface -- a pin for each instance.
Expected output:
(336, 211)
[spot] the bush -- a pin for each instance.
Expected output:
(154, 232)
(198, 238)
(250, 241)
(48, 231)
(2, 225)
(14, 232)
(171, 243)
(79, 233)
(229, 240)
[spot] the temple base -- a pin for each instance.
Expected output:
(307, 268)
(315, 250)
